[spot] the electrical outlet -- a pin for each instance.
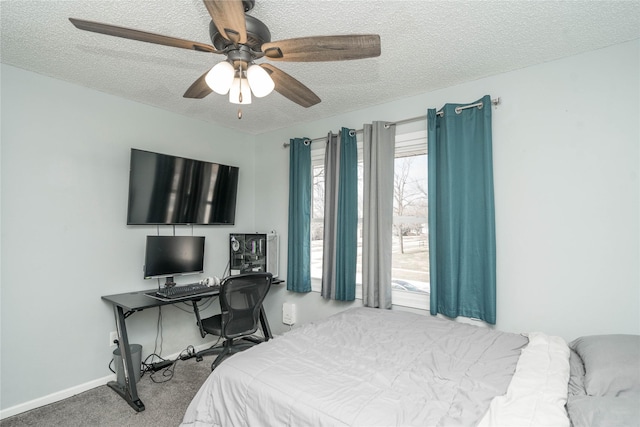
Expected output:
(113, 335)
(289, 313)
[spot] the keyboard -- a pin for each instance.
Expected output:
(185, 290)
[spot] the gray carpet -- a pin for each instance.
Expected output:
(165, 403)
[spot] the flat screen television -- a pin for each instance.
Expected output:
(169, 256)
(165, 189)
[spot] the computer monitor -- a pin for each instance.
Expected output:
(169, 256)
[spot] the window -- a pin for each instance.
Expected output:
(410, 250)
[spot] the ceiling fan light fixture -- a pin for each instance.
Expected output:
(260, 81)
(220, 77)
(240, 93)
(244, 39)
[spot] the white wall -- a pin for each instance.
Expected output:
(65, 242)
(566, 162)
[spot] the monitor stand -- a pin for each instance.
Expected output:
(169, 283)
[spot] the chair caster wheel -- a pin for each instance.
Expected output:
(198, 358)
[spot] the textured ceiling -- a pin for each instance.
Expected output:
(426, 45)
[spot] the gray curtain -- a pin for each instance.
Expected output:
(377, 227)
(340, 217)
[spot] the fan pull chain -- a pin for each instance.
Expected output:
(240, 95)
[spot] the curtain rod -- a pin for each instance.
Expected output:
(440, 113)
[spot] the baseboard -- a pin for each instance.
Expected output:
(54, 397)
(72, 391)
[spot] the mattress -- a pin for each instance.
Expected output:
(365, 367)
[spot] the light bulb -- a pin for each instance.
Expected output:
(220, 77)
(260, 81)
(240, 87)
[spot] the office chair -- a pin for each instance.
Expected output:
(241, 298)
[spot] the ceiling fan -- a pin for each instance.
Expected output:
(244, 39)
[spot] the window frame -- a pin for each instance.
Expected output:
(406, 144)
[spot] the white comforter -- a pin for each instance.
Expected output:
(362, 367)
(537, 394)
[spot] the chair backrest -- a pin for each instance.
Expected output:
(241, 299)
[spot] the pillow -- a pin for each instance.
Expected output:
(576, 375)
(611, 363)
(604, 411)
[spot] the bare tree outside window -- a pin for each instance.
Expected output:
(407, 197)
(317, 220)
(410, 252)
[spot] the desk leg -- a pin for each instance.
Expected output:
(129, 392)
(266, 330)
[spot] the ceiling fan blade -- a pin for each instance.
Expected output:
(143, 36)
(228, 16)
(291, 88)
(199, 89)
(324, 48)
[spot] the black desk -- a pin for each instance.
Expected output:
(125, 305)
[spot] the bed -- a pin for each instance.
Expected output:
(371, 367)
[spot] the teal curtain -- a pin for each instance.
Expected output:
(462, 247)
(299, 237)
(340, 217)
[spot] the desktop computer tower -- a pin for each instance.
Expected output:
(253, 252)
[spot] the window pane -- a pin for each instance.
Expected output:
(410, 251)
(317, 217)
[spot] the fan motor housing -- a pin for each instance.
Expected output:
(248, 4)
(257, 34)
